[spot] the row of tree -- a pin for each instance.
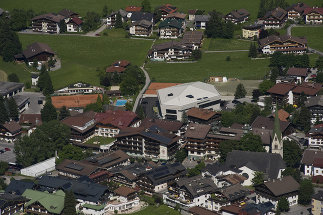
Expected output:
(9, 41)
(217, 28)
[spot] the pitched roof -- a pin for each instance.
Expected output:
(7, 199)
(176, 15)
(318, 162)
(12, 126)
(268, 123)
(76, 167)
(137, 16)
(7, 87)
(196, 210)
(165, 173)
(281, 88)
(310, 155)
(232, 209)
(32, 119)
(143, 23)
(74, 100)
(193, 37)
(318, 195)
(173, 23)
(253, 27)
(282, 115)
(268, 163)
(154, 86)
(18, 187)
(313, 10)
(132, 8)
(197, 185)
(314, 101)
(277, 130)
(299, 7)
(197, 131)
(124, 191)
(81, 122)
(36, 49)
(49, 16)
(107, 159)
(202, 18)
(168, 8)
(169, 125)
(67, 13)
(118, 66)
(53, 202)
(201, 113)
(234, 192)
(282, 186)
(297, 71)
(118, 118)
(309, 89)
(277, 13)
(76, 20)
(281, 39)
(238, 14)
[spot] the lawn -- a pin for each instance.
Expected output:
(314, 36)
(211, 64)
(225, 44)
(20, 69)
(83, 6)
(161, 210)
(100, 140)
(82, 56)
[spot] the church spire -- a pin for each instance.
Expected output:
(277, 130)
(277, 142)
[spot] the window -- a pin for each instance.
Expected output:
(171, 111)
(209, 104)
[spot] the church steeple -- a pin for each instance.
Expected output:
(277, 142)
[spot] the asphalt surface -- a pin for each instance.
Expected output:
(142, 90)
(7, 156)
(34, 107)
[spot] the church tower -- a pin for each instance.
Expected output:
(277, 142)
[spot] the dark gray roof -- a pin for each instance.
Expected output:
(262, 122)
(10, 199)
(123, 13)
(234, 192)
(262, 208)
(270, 164)
(138, 15)
(144, 23)
(197, 185)
(318, 196)
(202, 18)
(165, 173)
(314, 101)
(37, 48)
(214, 168)
(20, 99)
(282, 186)
(18, 187)
(49, 16)
(67, 13)
(310, 155)
(83, 188)
(8, 87)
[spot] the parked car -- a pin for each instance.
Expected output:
(7, 149)
(2, 151)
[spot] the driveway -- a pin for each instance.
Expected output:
(34, 99)
(98, 31)
(8, 156)
(142, 90)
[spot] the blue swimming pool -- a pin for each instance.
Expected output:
(121, 102)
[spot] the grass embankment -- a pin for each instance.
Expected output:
(83, 6)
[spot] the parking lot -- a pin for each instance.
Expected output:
(7, 156)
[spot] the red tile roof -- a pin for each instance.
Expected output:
(12, 126)
(122, 63)
(281, 88)
(32, 119)
(74, 100)
(282, 115)
(133, 8)
(313, 10)
(153, 87)
(77, 20)
(318, 162)
(201, 113)
(309, 89)
(120, 119)
(168, 8)
(118, 66)
(115, 69)
(297, 71)
(124, 191)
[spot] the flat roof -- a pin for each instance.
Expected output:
(7, 87)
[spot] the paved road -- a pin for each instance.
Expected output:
(142, 90)
(98, 31)
(223, 51)
(7, 156)
(289, 33)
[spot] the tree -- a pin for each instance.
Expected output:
(274, 73)
(140, 112)
(72, 152)
(196, 170)
(181, 155)
(319, 63)
(292, 154)
(146, 7)
(62, 26)
(48, 112)
(301, 99)
(9, 42)
(319, 77)
(13, 109)
(13, 77)
(265, 85)
(42, 143)
(105, 11)
(69, 203)
(306, 191)
(196, 54)
(118, 23)
(228, 30)
(252, 51)
(302, 119)
(295, 173)
(91, 21)
(256, 94)
(3, 111)
(214, 27)
(283, 205)
(20, 19)
(184, 118)
(63, 113)
(45, 82)
(240, 92)
(251, 142)
(258, 178)
(132, 80)
(225, 147)
(3, 167)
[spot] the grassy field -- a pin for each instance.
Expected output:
(82, 56)
(161, 210)
(229, 88)
(83, 6)
(100, 140)
(19, 69)
(225, 44)
(211, 64)
(314, 36)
